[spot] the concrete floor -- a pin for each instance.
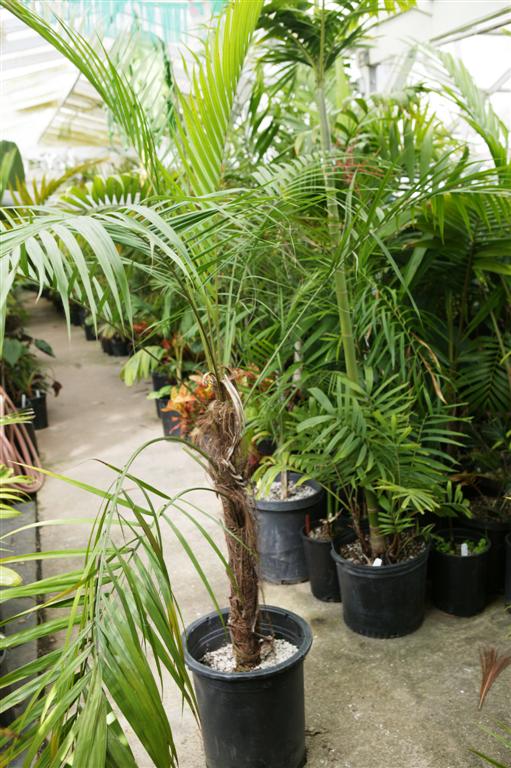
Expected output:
(404, 703)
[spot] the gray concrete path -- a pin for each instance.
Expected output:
(405, 703)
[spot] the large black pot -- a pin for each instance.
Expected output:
(321, 566)
(38, 404)
(120, 347)
(507, 586)
(279, 535)
(251, 719)
(496, 531)
(384, 601)
(459, 583)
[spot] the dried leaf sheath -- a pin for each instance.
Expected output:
(219, 432)
(493, 664)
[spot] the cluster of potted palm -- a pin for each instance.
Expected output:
(306, 275)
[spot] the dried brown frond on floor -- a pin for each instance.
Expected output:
(493, 663)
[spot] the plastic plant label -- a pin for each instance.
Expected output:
(378, 561)
(464, 549)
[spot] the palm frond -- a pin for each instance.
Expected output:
(119, 612)
(207, 109)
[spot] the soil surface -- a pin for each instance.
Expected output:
(294, 492)
(355, 554)
(321, 533)
(272, 653)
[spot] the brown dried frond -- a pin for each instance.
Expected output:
(492, 664)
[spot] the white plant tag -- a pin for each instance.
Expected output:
(23, 401)
(464, 549)
(378, 561)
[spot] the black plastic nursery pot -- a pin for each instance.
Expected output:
(76, 314)
(90, 333)
(321, 569)
(38, 404)
(251, 719)
(496, 531)
(321, 565)
(120, 347)
(159, 380)
(170, 421)
(161, 403)
(106, 345)
(507, 585)
(383, 601)
(459, 583)
(279, 534)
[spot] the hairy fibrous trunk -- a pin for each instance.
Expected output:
(219, 433)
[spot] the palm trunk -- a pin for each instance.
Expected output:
(377, 541)
(219, 433)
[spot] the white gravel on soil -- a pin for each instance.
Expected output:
(222, 660)
(293, 492)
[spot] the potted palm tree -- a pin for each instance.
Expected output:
(165, 239)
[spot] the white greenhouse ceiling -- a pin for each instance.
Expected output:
(46, 106)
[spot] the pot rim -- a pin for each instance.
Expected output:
(204, 671)
(364, 569)
(292, 505)
(464, 533)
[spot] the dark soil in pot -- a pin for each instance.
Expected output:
(106, 345)
(279, 533)
(459, 583)
(320, 563)
(251, 719)
(171, 423)
(120, 347)
(495, 525)
(38, 404)
(383, 601)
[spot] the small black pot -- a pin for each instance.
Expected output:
(120, 347)
(106, 345)
(159, 380)
(251, 719)
(507, 586)
(496, 531)
(38, 404)
(266, 446)
(161, 402)
(459, 583)
(76, 314)
(279, 535)
(385, 601)
(90, 332)
(170, 422)
(321, 566)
